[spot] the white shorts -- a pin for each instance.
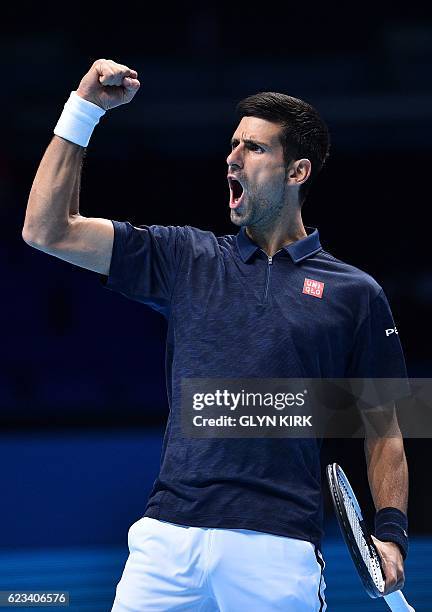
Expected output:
(174, 567)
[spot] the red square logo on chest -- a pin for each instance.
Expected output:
(313, 287)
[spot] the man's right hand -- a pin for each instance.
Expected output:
(53, 223)
(108, 84)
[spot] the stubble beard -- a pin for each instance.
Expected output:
(258, 210)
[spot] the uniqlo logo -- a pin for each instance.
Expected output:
(313, 287)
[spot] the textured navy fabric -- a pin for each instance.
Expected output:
(234, 313)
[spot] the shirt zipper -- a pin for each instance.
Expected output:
(269, 263)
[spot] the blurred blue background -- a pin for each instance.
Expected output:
(82, 390)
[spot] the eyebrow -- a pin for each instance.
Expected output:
(249, 141)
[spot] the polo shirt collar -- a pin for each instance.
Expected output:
(299, 250)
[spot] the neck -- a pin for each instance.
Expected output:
(288, 228)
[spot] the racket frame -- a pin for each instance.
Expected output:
(345, 527)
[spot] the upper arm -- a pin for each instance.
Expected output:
(87, 242)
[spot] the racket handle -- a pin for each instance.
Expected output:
(397, 602)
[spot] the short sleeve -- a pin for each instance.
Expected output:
(144, 263)
(377, 351)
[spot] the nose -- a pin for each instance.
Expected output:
(235, 158)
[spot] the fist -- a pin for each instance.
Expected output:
(108, 84)
(392, 564)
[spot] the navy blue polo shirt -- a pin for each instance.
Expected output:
(233, 312)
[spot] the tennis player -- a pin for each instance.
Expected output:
(234, 524)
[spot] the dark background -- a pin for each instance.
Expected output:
(82, 390)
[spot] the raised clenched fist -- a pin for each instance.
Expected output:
(108, 84)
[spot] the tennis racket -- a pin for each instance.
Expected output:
(358, 539)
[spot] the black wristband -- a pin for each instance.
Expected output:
(391, 525)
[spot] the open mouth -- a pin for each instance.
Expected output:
(236, 192)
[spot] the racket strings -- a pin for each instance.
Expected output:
(368, 554)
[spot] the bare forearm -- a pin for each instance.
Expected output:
(387, 472)
(54, 197)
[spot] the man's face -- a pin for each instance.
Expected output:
(256, 173)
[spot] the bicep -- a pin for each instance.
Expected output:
(87, 242)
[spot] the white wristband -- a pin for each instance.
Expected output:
(78, 120)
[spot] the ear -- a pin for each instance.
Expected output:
(299, 171)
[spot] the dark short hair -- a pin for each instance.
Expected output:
(304, 134)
